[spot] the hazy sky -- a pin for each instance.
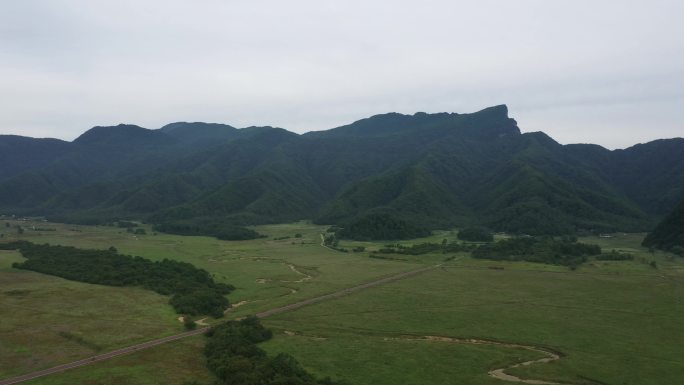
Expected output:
(606, 72)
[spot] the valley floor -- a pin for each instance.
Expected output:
(608, 322)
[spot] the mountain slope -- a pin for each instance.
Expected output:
(428, 170)
(20, 154)
(669, 234)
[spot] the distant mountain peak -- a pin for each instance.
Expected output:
(491, 122)
(498, 109)
(195, 126)
(123, 134)
(199, 132)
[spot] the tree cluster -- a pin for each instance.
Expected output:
(475, 234)
(425, 248)
(193, 290)
(565, 251)
(235, 359)
(220, 230)
(382, 226)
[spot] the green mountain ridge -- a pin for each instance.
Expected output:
(669, 234)
(429, 170)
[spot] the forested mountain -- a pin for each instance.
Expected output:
(426, 170)
(19, 154)
(669, 234)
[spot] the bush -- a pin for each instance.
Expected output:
(189, 323)
(203, 301)
(234, 358)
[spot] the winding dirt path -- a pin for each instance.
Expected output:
(499, 374)
(323, 243)
(294, 269)
(201, 322)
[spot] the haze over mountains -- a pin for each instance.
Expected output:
(432, 170)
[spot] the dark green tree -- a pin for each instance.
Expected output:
(475, 234)
(189, 323)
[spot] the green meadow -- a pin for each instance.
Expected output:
(612, 322)
(49, 320)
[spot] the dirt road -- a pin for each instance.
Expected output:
(344, 292)
(153, 343)
(100, 357)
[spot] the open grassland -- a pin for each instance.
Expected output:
(175, 363)
(75, 320)
(615, 322)
(48, 320)
(363, 357)
(267, 272)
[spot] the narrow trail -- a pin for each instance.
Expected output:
(305, 277)
(236, 305)
(201, 322)
(323, 243)
(500, 373)
(293, 268)
(159, 341)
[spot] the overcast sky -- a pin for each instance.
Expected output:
(606, 72)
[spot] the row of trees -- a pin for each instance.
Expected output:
(193, 290)
(220, 230)
(427, 247)
(615, 255)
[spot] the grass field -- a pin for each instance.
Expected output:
(617, 329)
(48, 320)
(615, 322)
(267, 272)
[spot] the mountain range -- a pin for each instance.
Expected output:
(428, 170)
